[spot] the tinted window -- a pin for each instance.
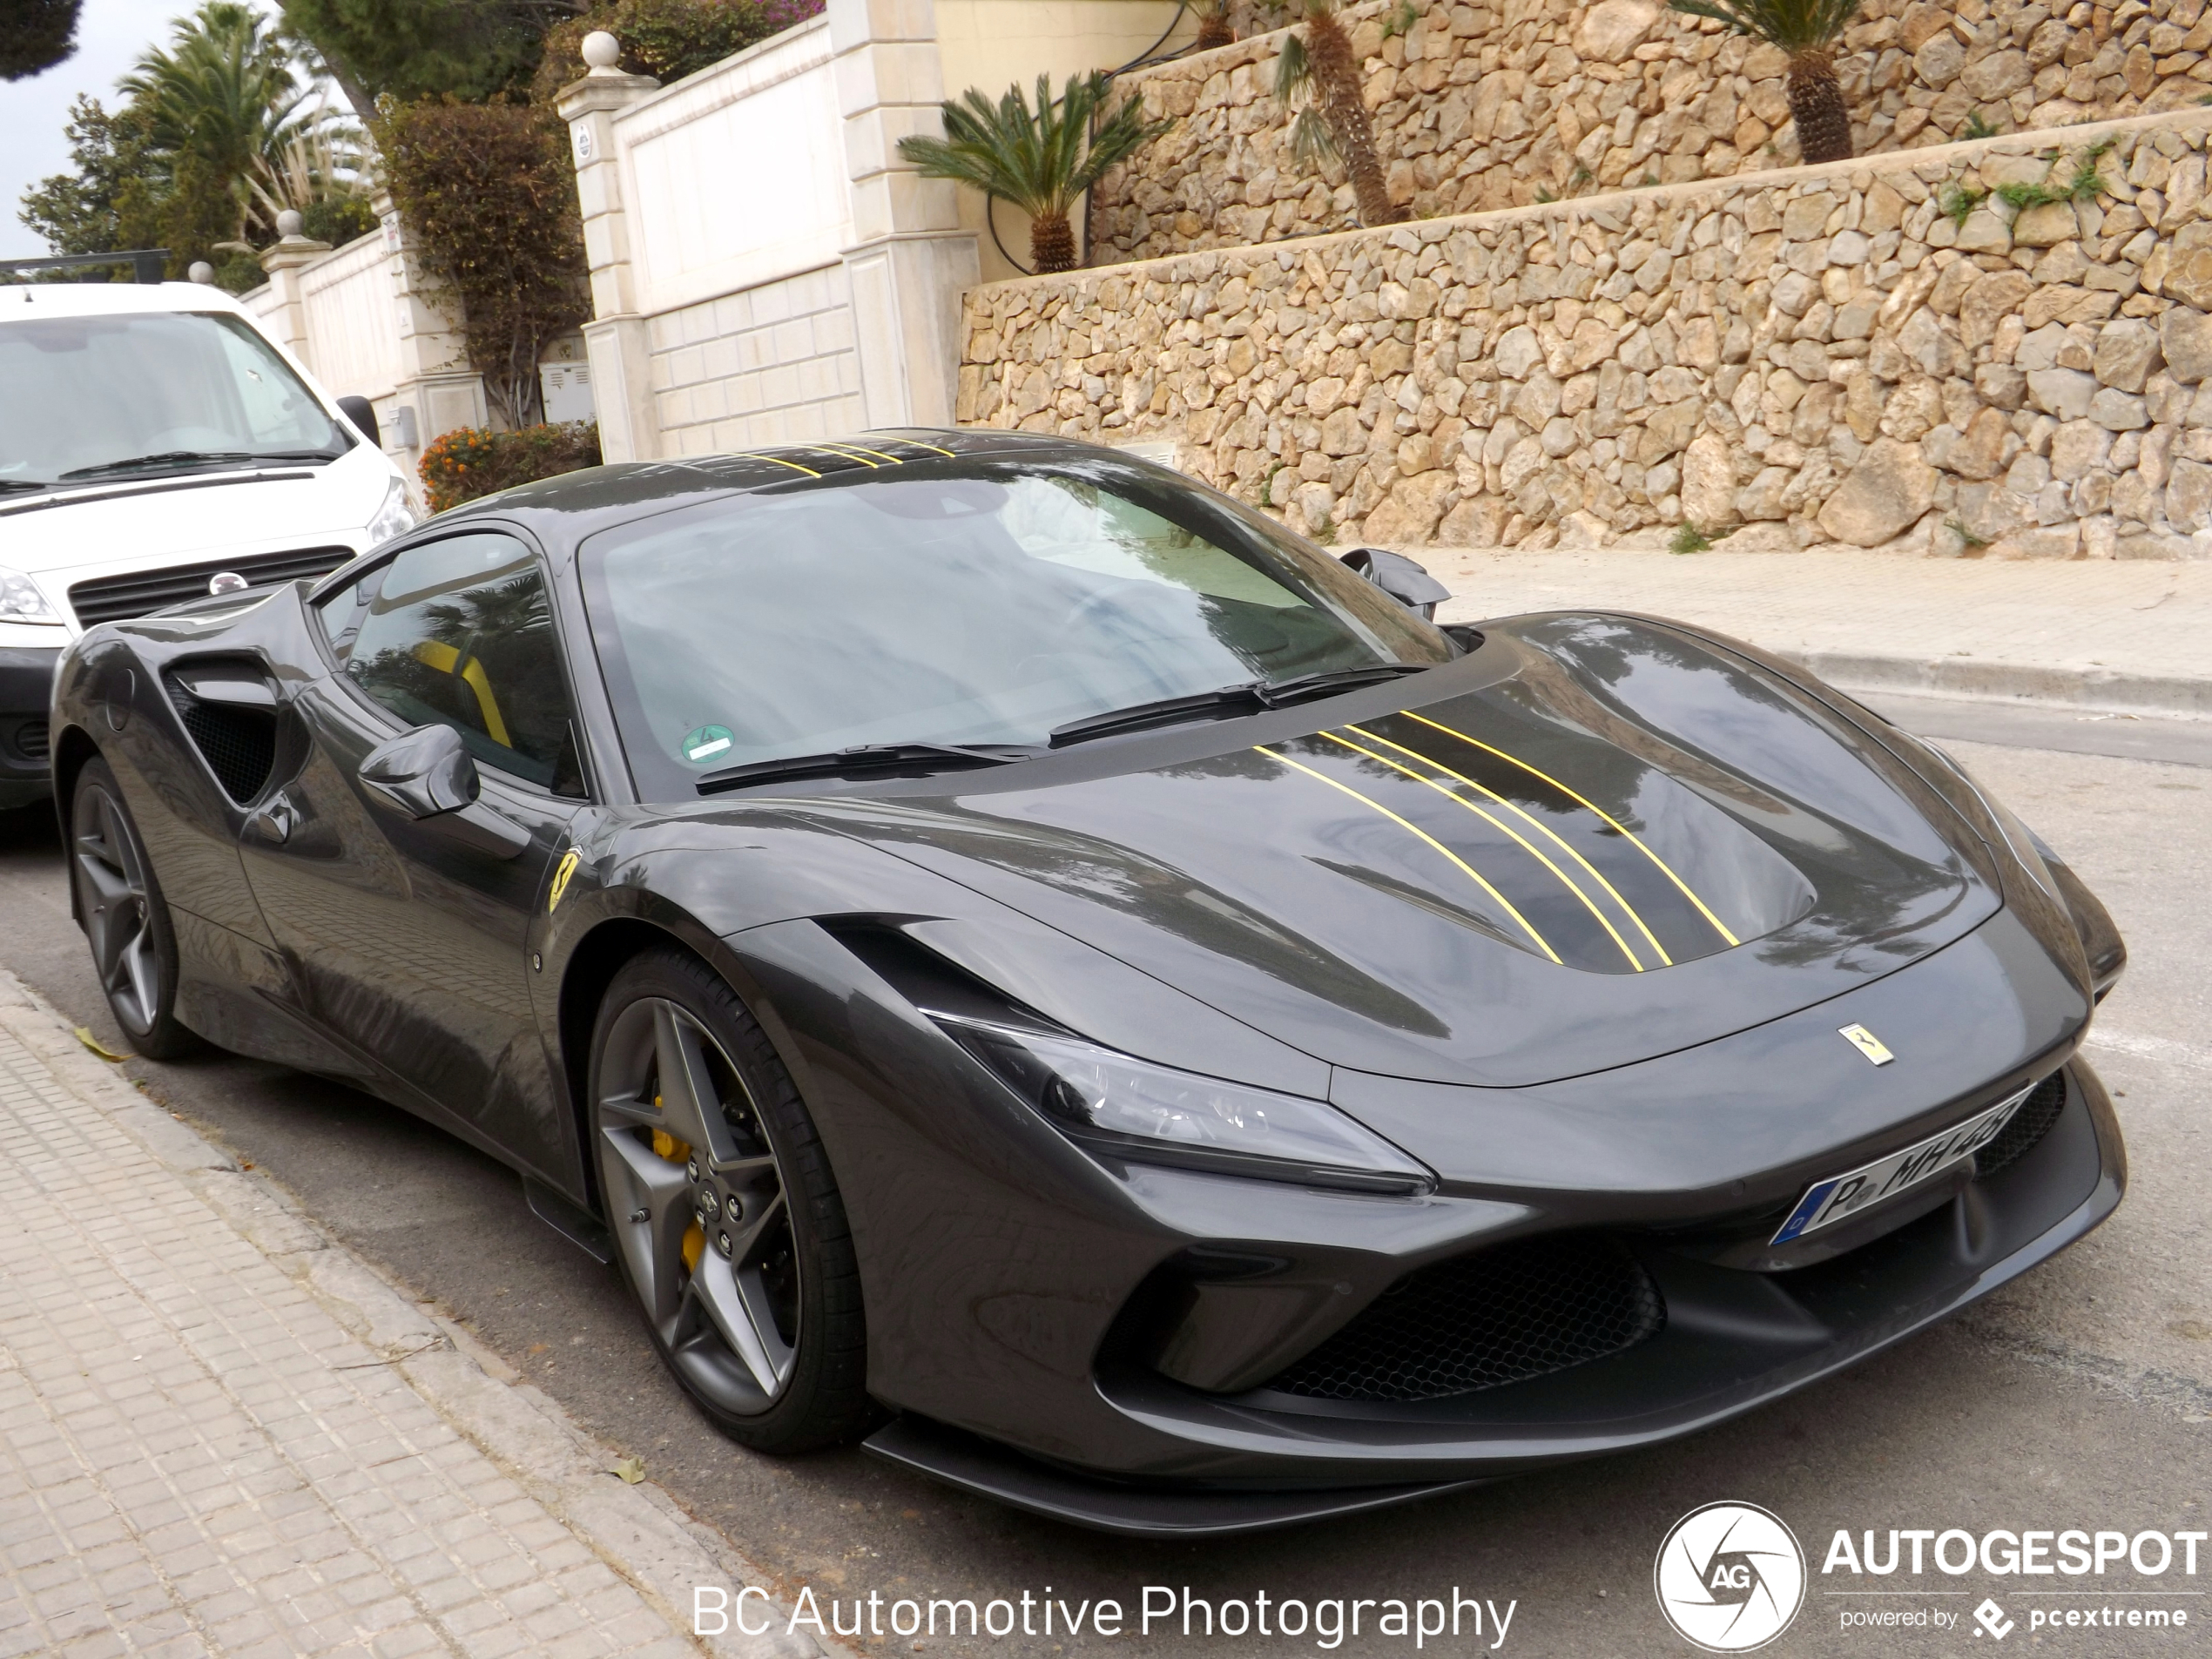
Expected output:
(459, 632)
(987, 605)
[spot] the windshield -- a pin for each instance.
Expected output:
(985, 605)
(145, 394)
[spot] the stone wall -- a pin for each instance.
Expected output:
(1492, 103)
(1823, 355)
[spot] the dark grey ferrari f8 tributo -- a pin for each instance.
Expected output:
(1018, 957)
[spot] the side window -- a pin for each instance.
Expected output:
(459, 632)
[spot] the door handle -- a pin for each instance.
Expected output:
(273, 822)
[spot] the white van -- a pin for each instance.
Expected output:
(156, 447)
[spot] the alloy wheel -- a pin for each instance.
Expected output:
(117, 906)
(697, 1201)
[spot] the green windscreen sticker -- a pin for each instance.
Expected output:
(706, 744)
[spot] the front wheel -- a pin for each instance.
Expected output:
(725, 1216)
(119, 903)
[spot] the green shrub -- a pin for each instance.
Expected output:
(471, 461)
(667, 39)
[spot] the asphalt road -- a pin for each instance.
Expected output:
(2079, 1398)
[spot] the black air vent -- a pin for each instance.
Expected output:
(2026, 1127)
(32, 740)
(118, 598)
(1502, 1315)
(237, 743)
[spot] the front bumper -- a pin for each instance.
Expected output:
(26, 692)
(1733, 1339)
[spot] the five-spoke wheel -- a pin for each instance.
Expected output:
(120, 904)
(725, 1219)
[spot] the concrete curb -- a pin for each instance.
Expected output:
(2041, 683)
(639, 1531)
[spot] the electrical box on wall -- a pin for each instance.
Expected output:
(568, 391)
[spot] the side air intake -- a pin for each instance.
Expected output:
(235, 730)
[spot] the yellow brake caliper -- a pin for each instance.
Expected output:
(666, 1145)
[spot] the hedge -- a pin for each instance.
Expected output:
(471, 461)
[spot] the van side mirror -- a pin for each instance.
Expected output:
(362, 413)
(424, 772)
(1403, 579)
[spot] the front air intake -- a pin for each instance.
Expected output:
(2027, 1125)
(1501, 1315)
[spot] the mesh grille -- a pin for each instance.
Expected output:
(118, 598)
(1501, 1315)
(2026, 1127)
(239, 744)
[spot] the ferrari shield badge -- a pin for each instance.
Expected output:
(1867, 1044)
(562, 871)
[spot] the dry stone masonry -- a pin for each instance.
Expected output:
(1874, 353)
(1479, 106)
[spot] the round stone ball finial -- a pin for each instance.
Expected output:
(602, 51)
(288, 223)
(201, 272)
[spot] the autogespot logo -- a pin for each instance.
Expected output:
(1730, 1577)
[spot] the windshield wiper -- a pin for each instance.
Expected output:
(164, 458)
(867, 757)
(1247, 694)
(22, 483)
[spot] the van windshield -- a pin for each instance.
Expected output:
(144, 395)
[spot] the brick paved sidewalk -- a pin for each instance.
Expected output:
(2102, 634)
(198, 1455)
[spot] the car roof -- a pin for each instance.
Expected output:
(20, 300)
(583, 501)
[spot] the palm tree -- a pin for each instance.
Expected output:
(1808, 30)
(223, 98)
(1214, 27)
(1041, 161)
(1318, 76)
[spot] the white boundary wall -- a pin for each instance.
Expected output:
(356, 316)
(763, 268)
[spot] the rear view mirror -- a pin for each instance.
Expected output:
(423, 774)
(1404, 580)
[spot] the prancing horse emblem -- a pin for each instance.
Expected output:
(566, 869)
(1867, 1044)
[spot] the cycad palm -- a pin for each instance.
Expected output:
(1808, 30)
(222, 96)
(1318, 76)
(1040, 160)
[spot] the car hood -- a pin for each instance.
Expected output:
(142, 523)
(1597, 840)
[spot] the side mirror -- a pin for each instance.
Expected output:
(362, 413)
(1404, 580)
(423, 774)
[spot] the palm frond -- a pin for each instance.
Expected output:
(1794, 26)
(1294, 71)
(1312, 143)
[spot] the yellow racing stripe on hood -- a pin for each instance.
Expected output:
(1495, 822)
(1633, 838)
(1542, 829)
(1469, 870)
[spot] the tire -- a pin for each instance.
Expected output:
(125, 917)
(757, 1312)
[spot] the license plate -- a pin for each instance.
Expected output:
(1826, 1201)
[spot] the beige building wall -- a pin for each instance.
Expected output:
(774, 364)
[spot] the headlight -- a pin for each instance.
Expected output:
(393, 518)
(1131, 1109)
(21, 600)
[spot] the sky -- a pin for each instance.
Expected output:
(110, 36)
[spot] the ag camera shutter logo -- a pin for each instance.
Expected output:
(1730, 1577)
